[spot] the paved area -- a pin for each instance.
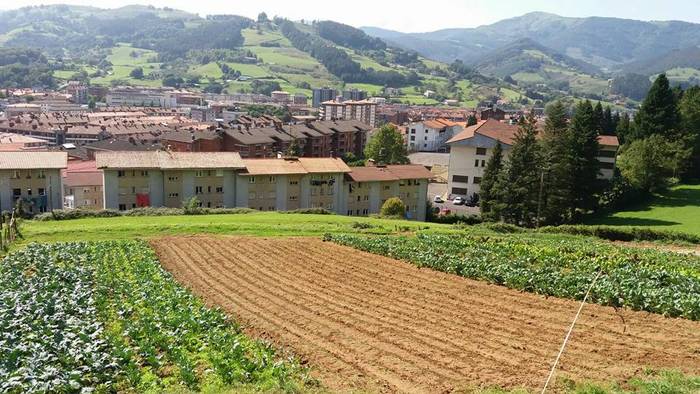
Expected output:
(440, 189)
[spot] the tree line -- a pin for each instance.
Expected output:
(553, 178)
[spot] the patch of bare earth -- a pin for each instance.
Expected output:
(368, 322)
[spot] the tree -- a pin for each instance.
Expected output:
(295, 149)
(393, 207)
(584, 151)
(136, 73)
(92, 103)
(609, 123)
(471, 120)
(658, 113)
(172, 81)
(689, 108)
(262, 18)
(521, 176)
(386, 146)
(489, 196)
(557, 163)
(648, 163)
(623, 128)
(598, 117)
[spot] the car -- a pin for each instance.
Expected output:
(458, 201)
(445, 211)
(438, 200)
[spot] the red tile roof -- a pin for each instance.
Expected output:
(492, 128)
(389, 173)
(608, 140)
(86, 178)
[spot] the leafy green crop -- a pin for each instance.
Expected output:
(106, 316)
(660, 282)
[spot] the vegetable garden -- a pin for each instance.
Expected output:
(648, 280)
(106, 316)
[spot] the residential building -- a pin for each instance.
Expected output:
(160, 178)
(300, 99)
(471, 149)
(14, 142)
(491, 113)
(280, 97)
(82, 186)
(33, 179)
(367, 188)
(364, 111)
(140, 97)
(292, 183)
(431, 135)
(78, 92)
(320, 95)
(354, 95)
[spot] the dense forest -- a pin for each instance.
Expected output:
(24, 67)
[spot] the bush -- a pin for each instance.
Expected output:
(456, 219)
(504, 228)
(393, 207)
(311, 211)
(623, 234)
(70, 214)
(361, 225)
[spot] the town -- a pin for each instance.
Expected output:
(377, 198)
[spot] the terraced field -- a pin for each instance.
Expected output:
(368, 322)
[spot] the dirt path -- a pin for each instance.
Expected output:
(369, 322)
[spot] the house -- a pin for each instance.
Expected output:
(33, 179)
(471, 149)
(82, 186)
(367, 188)
(491, 113)
(160, 178)
(431, 135)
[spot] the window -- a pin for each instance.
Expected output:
(198, 190)
(293, 198)
(15, 174)
(477, 180)
(16, 193)
(144, 173)
(413, 131)
(251, 179)
(349, 212)
(41, 192)
(208, 189)
(121, 174)
(133, 190)
(172, 195)
(219, 189)
(122, 207)
(460, 178)
(387, 187)
(607, 153)
(41, 174)
(483, 163)
(413, 138)
(173, 178)
(481, 151)
(199, 174)
(459, 190)
(359, 198)
(476, 163)
(367, 198)
(272, 179)
(365, 211)
(219, 173)
(293, 182)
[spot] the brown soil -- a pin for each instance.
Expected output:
(365, 322)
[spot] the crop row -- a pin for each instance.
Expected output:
(106, 316)
(648, 280)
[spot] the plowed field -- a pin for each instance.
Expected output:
(368, 322)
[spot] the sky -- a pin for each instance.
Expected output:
(413, 15)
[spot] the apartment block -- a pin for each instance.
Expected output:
(367, 188)
(160, 178)
(364, 111)
(33, 179)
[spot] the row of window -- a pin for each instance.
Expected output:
(465, 179)
(356, 212)
(17, 174)
(18, 192)
(171, 178)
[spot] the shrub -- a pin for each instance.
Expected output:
(623, 234)
(69, 214)
(457, 219)
(311, 211)
(361, 225)
(393, 207)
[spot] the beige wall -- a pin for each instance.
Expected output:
(262, 192)
(86, 197)
(27, 184)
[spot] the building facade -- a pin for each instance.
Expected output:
(320, 95)
(365, 111)
(32, 179)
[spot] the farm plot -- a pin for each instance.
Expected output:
(364, 321)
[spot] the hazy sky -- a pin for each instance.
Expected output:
(413, 15)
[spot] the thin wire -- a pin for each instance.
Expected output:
(568, 334)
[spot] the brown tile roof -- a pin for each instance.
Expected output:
(372, 174)
(433, 124)
(302, 165)
(492, 128)
(410, 171)
(85, 178)
(169, 160)
(608, 140)
(33, 160)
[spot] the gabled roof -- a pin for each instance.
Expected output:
(85, 178)
(492, 128)
(389, 173)
(25, 160)
(302, 165)
(169, 160)
(608, 140)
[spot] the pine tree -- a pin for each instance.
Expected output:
(584, 151)
(689, 107)
(608, 122)
(556, 199)
(295, 149)
(521, 178)
(599, 117)
(489, 198)
(623, 128)
(658, 113)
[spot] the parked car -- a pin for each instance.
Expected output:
(458, 201)
(445, 211)
(438, 200)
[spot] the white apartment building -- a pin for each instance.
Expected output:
(431, 135)
(471, 149)
(32, 178)
(364, 111)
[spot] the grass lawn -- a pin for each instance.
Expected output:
(677, 209)
(257, 223)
